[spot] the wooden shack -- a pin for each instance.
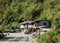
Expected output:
(27, 24)
(39, 25)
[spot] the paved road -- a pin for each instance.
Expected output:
(17, 38)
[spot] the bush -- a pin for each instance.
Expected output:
(45, 37)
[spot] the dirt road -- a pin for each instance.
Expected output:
(17, 38)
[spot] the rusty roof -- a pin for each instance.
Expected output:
(25, 22)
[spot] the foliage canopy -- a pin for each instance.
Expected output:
(13, 11)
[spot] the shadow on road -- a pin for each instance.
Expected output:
(15, 39)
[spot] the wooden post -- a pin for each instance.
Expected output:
(27, 25)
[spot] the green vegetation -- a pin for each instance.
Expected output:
(14, 11)
(45, 37)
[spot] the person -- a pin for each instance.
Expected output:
(8, 33)
(37, 31)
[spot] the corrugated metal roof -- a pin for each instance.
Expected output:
(25, 22)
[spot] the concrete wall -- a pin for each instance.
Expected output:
(43, 23)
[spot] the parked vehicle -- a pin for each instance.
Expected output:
(18, 29)
(12, 30)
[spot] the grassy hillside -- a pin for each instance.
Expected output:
(50, 37)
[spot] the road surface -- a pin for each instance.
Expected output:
(17, 38)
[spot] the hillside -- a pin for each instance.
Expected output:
(12, 12)
(50, 37)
